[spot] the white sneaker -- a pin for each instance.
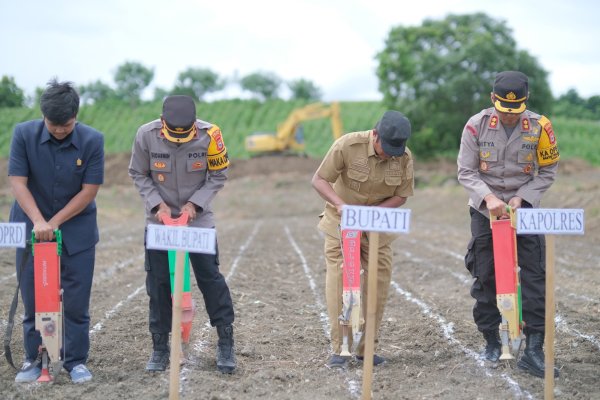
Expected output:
(29, 372)
(80, 374)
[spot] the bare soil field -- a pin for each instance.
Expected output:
(272, 257)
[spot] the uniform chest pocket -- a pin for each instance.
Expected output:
(356, 177)
(392, 180)
(160, 164)
(196, 165)
(525, 156)
(486, 154)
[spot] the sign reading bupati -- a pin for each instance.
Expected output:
(550, 221)
(376, 219)
(194, 240)
(12, 234)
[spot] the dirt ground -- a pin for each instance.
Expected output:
(272, 257)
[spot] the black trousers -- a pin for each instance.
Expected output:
(531, 254)
(211, 282)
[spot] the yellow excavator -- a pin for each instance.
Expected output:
(289, 136)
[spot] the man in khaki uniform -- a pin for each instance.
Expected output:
(508, 156)
(370, 168)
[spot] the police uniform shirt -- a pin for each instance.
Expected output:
(522, 165)
(360, 177)
(178, 173)
(55, 173)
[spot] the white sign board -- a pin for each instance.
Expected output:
(376, 219)
(550, 221)
(194, 240)
(12, 234)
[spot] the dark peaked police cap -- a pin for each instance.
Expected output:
(393, 130)
(510, 92)
(179, 113)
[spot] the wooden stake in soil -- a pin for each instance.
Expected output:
(374, 220)
(550, 222)
(550, 311)
(176, 326)
(371, 316)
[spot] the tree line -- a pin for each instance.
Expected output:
(132, 78)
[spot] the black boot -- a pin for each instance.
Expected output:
(532, 360)
(159, 359)
(492, 348)
(225, 349)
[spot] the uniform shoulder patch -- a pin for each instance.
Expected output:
(217, 152)
(472, 129)
(547, 147)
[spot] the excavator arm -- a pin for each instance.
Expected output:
(289, 133)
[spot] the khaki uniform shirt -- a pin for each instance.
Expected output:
(360, 177)
(176, 173)
(523, 165)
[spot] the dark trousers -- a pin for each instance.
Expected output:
(211, 282)
(531, 254)
(76, 276)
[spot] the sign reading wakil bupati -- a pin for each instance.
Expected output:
(194, 240)
(376, 219)
(550, 221)
(12, 234)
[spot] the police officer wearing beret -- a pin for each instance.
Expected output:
(179, 164)
(369, 168)
(55, 169)
(508, 157)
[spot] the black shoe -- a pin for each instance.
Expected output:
(225, 350)
(336, 361)
(492, 347)
(532, 360)
(159, 359)
(377, 360)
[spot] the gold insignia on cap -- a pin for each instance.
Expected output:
(511, 96)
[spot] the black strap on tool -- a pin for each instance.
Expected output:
(13, 307)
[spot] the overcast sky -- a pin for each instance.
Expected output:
(332, 43)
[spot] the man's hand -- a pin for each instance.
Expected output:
(495, 206)
(190, 209)
(515, 202)
(163, 211)
(43, 231)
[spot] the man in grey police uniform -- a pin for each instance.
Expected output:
(508, 156)
(178, 164)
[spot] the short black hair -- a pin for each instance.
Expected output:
(59, 102)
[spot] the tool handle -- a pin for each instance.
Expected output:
(57, 239)
(182, 220)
